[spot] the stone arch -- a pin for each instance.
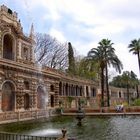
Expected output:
(8, 46)
(8, 96)
(26, 101)
(41, 98)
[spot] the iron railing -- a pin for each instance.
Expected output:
(13, 136)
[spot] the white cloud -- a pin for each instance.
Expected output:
(128, 59)
(84, 48)
(95, 19)
(58, 35)
(108, 29)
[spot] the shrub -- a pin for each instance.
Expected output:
(136, 102)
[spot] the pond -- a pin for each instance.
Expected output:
(93, 128)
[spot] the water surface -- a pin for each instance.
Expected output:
(94, 128)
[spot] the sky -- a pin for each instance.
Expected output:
(84, 23)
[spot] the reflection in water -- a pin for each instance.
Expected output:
(46, 132)
(108, 128)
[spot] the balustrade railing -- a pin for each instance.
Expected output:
(13, 136)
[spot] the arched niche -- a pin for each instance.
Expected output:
(8, 47)
(52, 100)
(8, 96)
(26, 101)
(52, 88)
(41, 98)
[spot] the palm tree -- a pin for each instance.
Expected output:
(134, 47)
(96, 55)
(105, 55)
(110, 59)
(135, 82)
(126, 81)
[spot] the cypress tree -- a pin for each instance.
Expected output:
(71, 60)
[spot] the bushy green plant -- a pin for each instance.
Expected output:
(136, 102)
(69, 100)
(83, 101)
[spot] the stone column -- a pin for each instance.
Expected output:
(62, 89)
(89, 89)
(74, 90)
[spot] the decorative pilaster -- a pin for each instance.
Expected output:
(19, 101)
(31, 101)
(56, 94)
(34, 94)
(0, 43)
(20, 94)
(18, 51)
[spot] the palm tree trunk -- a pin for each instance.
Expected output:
(139, 60)
(107, 88)
(128, 94)
(102, 87)
(137, 89)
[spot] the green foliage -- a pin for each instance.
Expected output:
(134, 47)
(136, 102)
(58, 110)
(87, 69)
(71, 60)
(105, 56)
(83, 101)
(127, 79)
(70, 99)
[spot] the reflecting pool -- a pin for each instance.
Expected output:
(101, 128)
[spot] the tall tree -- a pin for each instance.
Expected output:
(135, 82)
(86, 68)
(96, 55)
(71, 59)
(50, 52)
(126, 80)
(134, 47)
(110, 59)
(105, 55)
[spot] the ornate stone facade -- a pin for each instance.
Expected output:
(26, 86)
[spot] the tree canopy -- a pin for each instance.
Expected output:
(105, 56)
(50, 52)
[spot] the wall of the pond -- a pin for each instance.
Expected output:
(8, 117)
